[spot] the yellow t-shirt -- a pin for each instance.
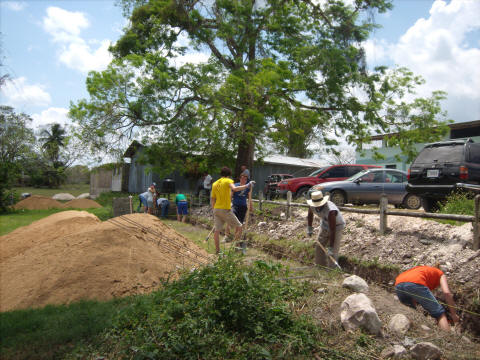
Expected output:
(221, 193)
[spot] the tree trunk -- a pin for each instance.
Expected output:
(244, 157)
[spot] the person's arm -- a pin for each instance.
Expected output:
(449, 299)
(332, 224)
(241, 187)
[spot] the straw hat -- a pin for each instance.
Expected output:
(317, 199)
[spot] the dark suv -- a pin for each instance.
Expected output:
(443, 167)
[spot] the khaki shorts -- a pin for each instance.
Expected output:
(223, 216)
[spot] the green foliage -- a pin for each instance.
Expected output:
(223, 311)
(285, 74)
(49, 332)
(460, 203)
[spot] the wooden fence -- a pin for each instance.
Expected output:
(383, 211)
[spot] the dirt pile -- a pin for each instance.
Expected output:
(82, 204)
(38, 202)
(72, 255)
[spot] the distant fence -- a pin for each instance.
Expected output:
(384, 212)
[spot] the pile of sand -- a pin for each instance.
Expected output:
(38, 202)
(72, 255)
(82, 204)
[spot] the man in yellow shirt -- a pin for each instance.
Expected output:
(221, 200)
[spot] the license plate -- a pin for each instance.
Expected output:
(433, 173)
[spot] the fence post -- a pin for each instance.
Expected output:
(476, 224)
(383, 214)
(130, 201)
(260, 199)
(289, 200)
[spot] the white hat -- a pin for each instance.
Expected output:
(317, 199)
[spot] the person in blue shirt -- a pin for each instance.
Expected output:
(163, 204)
(239, 199)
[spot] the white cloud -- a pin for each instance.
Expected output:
(65, 27)
(19, 93)
(14, 5)
(50, 116)
(436, 48)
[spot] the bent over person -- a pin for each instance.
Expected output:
(221, 202)
(415, 286)
(332, 225)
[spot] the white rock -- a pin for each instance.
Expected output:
(63, 196)
(83, 196)
(425, 351)
(262, 224)
(355, 283)
(357, 311)
(425, 327)
(399, 324)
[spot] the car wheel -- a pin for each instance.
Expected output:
(301, 192)
(412, 202)
(338, 198)
(429, 204)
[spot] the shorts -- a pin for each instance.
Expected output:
(223, 216)
(182, 208)
(240, 211)
(408, 291)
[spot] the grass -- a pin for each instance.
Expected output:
(19, 218)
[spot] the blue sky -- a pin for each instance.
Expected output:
(48, 47)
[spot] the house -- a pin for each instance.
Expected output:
(463, 130)
(140, 175)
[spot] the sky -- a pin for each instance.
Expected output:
(48, 48)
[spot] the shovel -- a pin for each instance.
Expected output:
(329, 256)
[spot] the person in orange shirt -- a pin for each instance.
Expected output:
(415, 286)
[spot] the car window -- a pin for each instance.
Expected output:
(367, 177)
(316, 172)
(336, 172)
(474, 153)
(442, 154)
(352, 170)
(394, 177)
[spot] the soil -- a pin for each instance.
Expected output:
(82, 204)
(72, 255)
(38, 202)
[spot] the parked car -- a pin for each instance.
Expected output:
(366, 187)
(442, 167)
(299, 186)
(271, 184)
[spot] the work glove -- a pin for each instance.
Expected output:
(309, 230)
(251, 183)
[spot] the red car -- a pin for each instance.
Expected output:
(270, 191)
(299, 186)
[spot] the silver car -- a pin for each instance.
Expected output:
(366, 187)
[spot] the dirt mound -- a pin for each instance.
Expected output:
(72, 255)
(38, 202)
(82, 204)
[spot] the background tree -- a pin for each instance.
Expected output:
(282, 71)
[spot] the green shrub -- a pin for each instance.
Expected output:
(223, 311)
(460, 203)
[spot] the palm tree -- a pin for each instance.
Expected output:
(52, 141)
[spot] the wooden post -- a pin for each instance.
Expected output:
(383, 214)
(289, 201)
(260, 200)
(476, 224)
(130, 200)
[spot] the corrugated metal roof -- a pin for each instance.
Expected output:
(294, 161)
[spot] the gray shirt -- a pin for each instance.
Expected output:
(323, 214)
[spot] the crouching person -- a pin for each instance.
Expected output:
(163, 204)
(415, 286)
(332, 225)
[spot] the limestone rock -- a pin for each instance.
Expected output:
(399, 324)
(425, 351)
(394, 352)
(63, 196)
(355, 283)
(357, 311)
(84, 196)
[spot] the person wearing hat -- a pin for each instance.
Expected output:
(332, 225)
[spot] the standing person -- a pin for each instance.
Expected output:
(163, 204)
(182, 207)
(239, 202)
(207, 183)
(200, 185)
(332, 226)
(415, 286)
(221, 202)
(147, 199)
(244, 170)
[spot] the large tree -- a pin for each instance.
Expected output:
(281, 71)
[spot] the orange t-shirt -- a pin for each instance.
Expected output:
(423, 275)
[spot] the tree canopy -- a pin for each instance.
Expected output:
(279, 74)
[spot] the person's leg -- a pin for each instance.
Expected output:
(336, 245)
(219, 222)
